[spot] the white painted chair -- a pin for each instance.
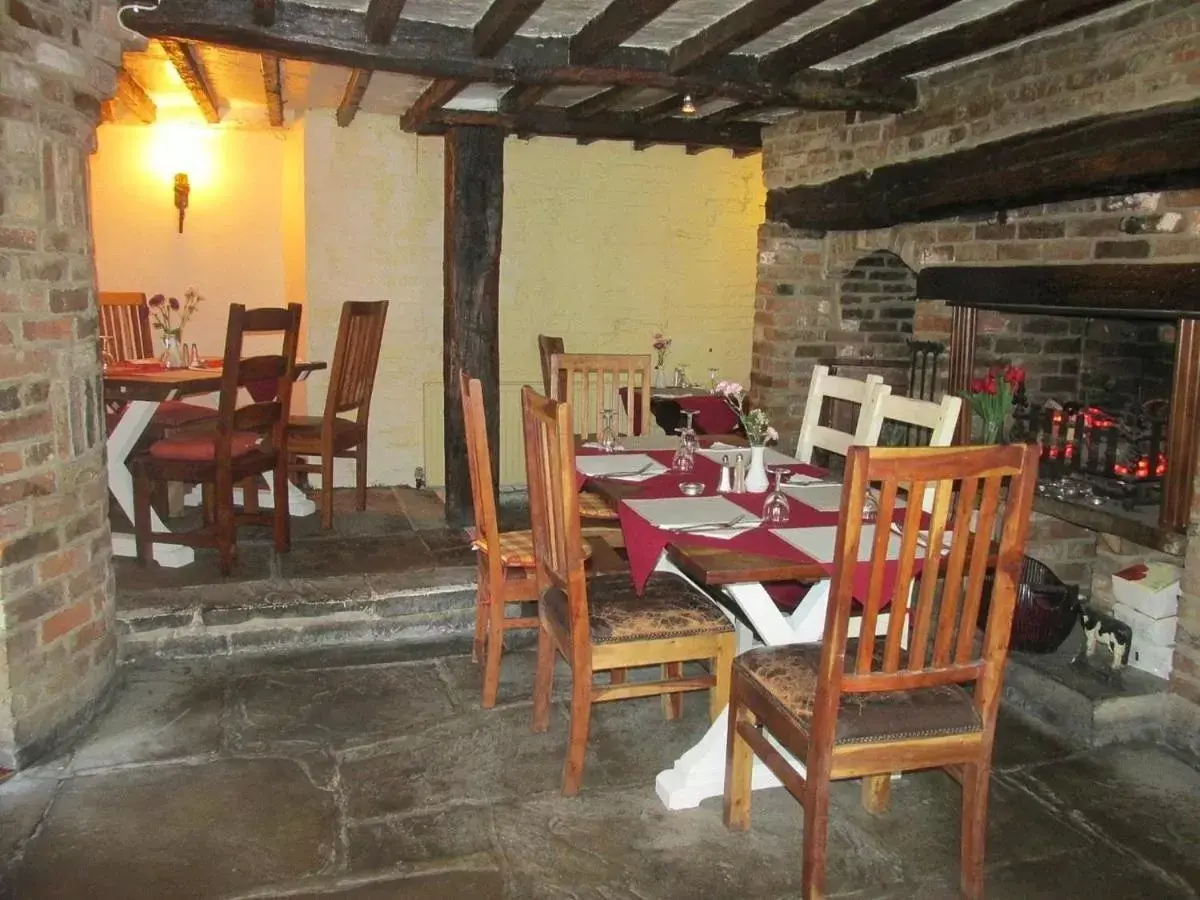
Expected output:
(941, 419)
(867, 394)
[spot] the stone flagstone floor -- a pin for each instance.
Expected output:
(370, 774)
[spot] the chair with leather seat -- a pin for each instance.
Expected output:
(341, 430)
(243, 443)
(601, 624)
(868, 707)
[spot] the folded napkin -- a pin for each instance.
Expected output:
(622, 466)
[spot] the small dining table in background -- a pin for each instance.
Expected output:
(140, 386)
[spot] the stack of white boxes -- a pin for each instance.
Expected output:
(1148, 601)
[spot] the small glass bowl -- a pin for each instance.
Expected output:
(692, 488)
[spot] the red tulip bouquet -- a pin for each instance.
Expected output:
(991, 399)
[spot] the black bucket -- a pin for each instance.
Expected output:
(1046, 611)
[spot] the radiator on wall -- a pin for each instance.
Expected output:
(512, 443)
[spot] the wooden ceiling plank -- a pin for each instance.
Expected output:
(661, 109)
(1121, 153)
(730, 113)
(134, 98)
(521, 98)
(741, 26)
(1012, 23)
(499, 23)
(273, 87)
(263, 12)
(191, 71)
(352, 97)
(598, 103)
(433, 98)
(336, 36)
(846, 32)
(619, 21)
(615, 126)
(382, 16)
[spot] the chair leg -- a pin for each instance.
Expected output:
(722, 671)
(250, 495)
(543, 680)
(816, 834)
(208, 503)
(282, 520)
(672, 704)
(739, 766)
(327, 491)
(581, 717)
(481, 607)
(141, 519)
(974, 828)
(226, 528)
(360, 475)
(876, 793)
(495, 647)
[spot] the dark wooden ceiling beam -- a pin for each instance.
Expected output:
(499, 23)
(619, 21)
(272, 87)
(134, 98)
(191, 71)
(980, 35)
(1147, 150)
(616, 126)
(598, 103)
(729, 113)
(352, 96)
(521, 98)
(335, 36)
(433, 98)
(661, 109)
(741, 26)
(382, 16)
(846, 32)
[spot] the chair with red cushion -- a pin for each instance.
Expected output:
(244, 443)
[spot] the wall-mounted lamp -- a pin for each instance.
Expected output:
(182, 189)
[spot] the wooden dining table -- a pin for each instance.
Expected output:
(140, 387)
(738, 582)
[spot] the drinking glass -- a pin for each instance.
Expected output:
(712, 378)
(106, 354)
(685, 455)
(608, 431)
(870, 505)
(776, 509)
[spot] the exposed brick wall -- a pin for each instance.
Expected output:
(56, 584)
(1142, 58)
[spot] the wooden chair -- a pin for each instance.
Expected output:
(590, 383)
(505, 558)
(602, 624)
(838, 387)
(244, 442)
(938, 420)
(547, 347)
(341, 432)
(125, 323)
(867, 708)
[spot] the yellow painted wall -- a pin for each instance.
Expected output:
(601, 244)
(231, 249)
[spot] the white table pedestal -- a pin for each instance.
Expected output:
(298, 502)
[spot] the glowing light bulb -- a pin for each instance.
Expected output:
(689, 107)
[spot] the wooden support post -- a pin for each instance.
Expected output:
(963, 323)
(1175, 511)
(474, 209)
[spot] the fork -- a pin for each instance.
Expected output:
(642, 471)
(711, 526)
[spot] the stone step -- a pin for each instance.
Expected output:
(280, 615)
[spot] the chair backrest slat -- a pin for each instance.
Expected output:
(479, 462)
(269, 417)
(548, 345)
(125, 320)
(590, 383)
(554, 508)
(356, 358)
(867, 394)
(973, 490)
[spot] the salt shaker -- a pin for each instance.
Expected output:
(724, 487)
(739, 474)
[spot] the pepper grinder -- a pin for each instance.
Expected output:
(739, 474)
(725, 485)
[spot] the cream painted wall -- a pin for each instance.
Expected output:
(231, 249)
(601, 244)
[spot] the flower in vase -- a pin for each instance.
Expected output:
(991, 398)
(170, 315)
(754, 422)
(661, 345)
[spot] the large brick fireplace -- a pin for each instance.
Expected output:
(57, 646)
(850, 297)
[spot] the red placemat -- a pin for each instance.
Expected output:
(134, 367)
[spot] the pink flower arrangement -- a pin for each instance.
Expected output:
(661, 345)
(168, 315)
(754, 422)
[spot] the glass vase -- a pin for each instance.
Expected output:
(992, 431)
(173, 355)
(757, 481)
(660, 377)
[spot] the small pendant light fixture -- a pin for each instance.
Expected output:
(689, 106)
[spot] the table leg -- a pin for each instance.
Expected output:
(120, 444)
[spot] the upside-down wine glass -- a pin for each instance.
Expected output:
(106, 354)
(685, 455)
(776, 509)
(608, 431)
